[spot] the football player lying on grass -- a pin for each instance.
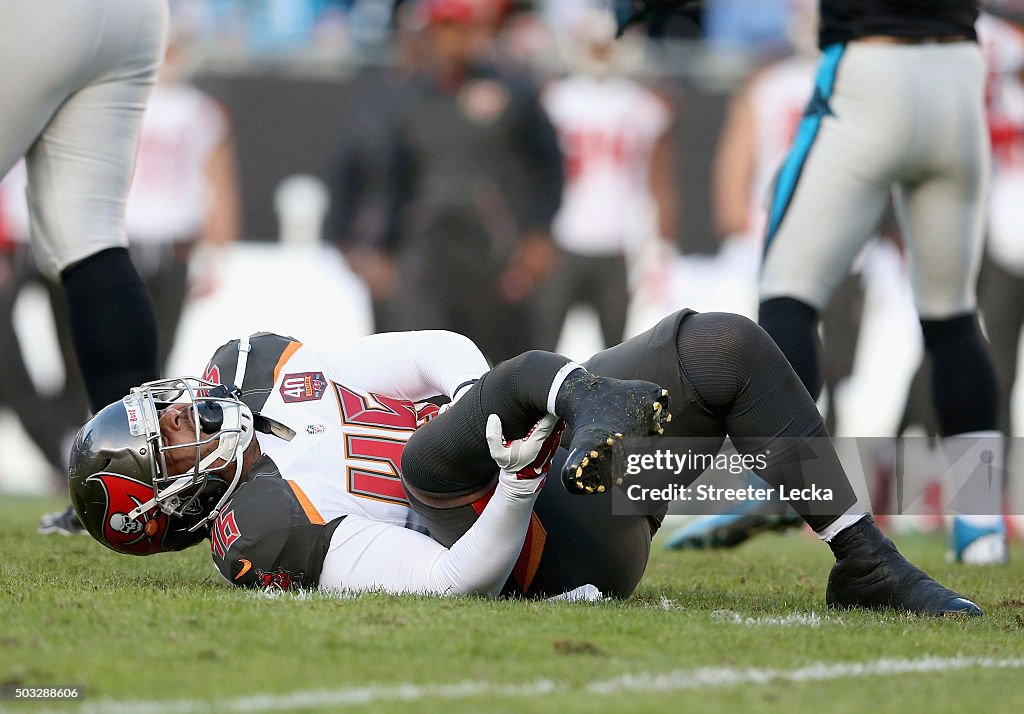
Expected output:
(326, 466)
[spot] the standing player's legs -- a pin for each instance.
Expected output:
(167, 284)
(560, 291)
(1001, 299)
(79, 171)
(612, 298)
(600, 282)
(80, 74)
(830, 195)
(942, 213)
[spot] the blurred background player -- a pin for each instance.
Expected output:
(362, 223)
(757, 131)
(898, 104)
(1001, 284)
(48, 419)
(1000, 296)
(474, 179)
(617, 147)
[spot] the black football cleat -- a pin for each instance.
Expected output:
(604, 411)
(870, 573)
(737, 525)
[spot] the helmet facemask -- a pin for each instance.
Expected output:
(218, 419)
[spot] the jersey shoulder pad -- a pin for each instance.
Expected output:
(267, 353)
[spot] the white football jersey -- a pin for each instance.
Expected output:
(169, 193)
(607, 130)
(1003, 46)
(353, 407)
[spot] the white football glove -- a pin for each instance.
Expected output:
(527, 459)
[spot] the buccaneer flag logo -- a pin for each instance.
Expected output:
(139, 536)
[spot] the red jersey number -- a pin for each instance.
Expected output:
(393, 420)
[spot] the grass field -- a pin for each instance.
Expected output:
(731, 631)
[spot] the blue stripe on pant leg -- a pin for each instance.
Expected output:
(817, 109)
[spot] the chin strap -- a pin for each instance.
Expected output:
(212, 515)
(244, 348)
(262, 424)
(266, 425)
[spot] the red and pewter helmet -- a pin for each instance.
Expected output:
(118, 476)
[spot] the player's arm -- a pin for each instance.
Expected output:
(537, 143)
(224, 216)
(733, 168)
(409, 365)
(222, 225)
(368, 555)
(270, 535)
(664, 188)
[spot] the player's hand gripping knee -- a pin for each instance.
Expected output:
(524, 462)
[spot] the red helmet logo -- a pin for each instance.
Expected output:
(139, 536)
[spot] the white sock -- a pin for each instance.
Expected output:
(556, 383)
(974, 476)
(854, 514)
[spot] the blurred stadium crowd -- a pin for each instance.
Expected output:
(502, 169)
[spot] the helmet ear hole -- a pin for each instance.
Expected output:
(211, 416)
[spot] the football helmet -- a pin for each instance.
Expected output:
(119, 480)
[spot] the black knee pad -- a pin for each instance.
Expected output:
(792, 324)
(964, 381)
(722, 353)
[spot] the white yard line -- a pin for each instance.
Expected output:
(797, 618)
(683, 679)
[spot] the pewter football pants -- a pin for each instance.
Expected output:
(901, 119)
(77, 74)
